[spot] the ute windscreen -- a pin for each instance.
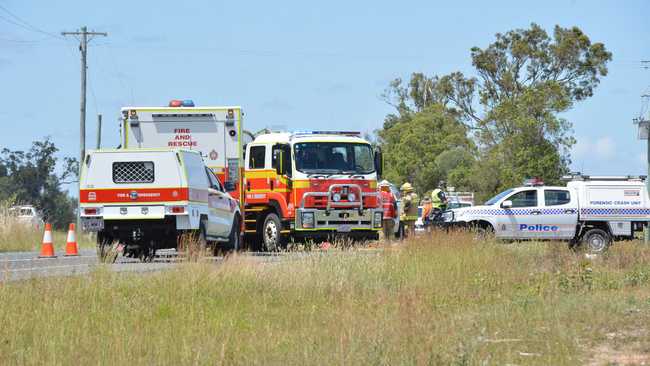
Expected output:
(133, 172)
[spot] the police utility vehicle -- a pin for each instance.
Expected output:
(589, 211)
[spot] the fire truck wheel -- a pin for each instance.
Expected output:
(271, 237)
(596, 241)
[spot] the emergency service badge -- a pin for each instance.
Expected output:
(92, 196)
(213, 155)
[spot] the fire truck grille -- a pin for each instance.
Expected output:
(133, 172)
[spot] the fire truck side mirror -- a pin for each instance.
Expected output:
(379, 161)
(279, 166)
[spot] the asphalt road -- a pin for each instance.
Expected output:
(26, 265)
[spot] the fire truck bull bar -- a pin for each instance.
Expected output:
(354, 204)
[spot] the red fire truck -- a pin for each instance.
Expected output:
(303, 185)
(311, 185)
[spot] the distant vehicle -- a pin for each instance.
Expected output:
(590, 210)
(452, 203)
(459, 199)
(27, 215)
(146, 199)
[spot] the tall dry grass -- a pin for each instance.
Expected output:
(17, 236)
(445, 299)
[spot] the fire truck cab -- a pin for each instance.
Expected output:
(311, 185)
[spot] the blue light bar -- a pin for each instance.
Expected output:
(188, 103)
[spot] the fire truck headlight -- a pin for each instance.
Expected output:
(308, 219)
(352, 197)
(336, 197)
(378, 218)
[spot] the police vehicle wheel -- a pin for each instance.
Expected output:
(483, 232)
(596, 241)
(271, 237)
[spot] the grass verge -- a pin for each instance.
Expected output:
(437, 300)
(17, 237)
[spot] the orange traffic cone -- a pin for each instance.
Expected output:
(47, 249)
(71, 248)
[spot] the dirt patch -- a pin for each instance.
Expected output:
(630, 347)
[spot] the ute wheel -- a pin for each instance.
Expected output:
(234, 239)
(201, 237)
(272, 240)
(147, 254)
(596, 241)
(106, 249)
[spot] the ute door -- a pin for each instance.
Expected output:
(220, 212)
(522, 216)
(560, 214)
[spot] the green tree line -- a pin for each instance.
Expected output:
(489, 131)
(30, 177)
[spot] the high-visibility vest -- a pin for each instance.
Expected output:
(388, 202)
(436, 202)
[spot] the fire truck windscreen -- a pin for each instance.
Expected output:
(334, 158)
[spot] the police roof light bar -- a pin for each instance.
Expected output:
(533, 182)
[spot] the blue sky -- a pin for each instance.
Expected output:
(295, 64)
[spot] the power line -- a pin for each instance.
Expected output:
(25, 25)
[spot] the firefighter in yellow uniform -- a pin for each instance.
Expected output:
(409, 213)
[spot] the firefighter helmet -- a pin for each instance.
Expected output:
(406, 187)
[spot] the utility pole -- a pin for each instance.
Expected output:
(83, 49)
(644, 134)
(84, 36)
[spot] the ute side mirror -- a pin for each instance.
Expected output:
(229, 186)
(379, 162)
(506, 204)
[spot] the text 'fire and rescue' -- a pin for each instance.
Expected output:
(182, 138)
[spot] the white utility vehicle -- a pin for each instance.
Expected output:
(146, 199)
(26, 215)
(590, 210)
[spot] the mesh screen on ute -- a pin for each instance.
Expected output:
(133, 172)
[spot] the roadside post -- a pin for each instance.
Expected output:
(644, 134)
